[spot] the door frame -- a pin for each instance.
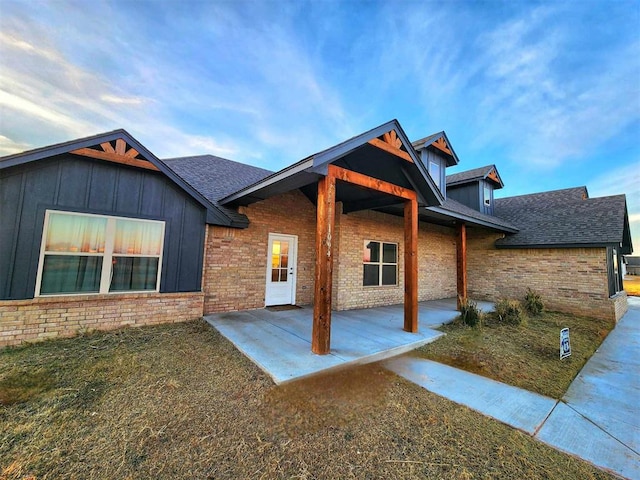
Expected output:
(293, 263)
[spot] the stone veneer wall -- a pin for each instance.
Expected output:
(65, 316)
(572, 280)
(236, 259)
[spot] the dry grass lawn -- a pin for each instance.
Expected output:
(178, 401)
(632, 285)
(526, 356)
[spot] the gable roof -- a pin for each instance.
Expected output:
(488, 172)
(121, 147)
(216, 177)
(565, 218)
(440, 142)
(311, 168)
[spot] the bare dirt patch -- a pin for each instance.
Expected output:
(178, 401)
(527, 355)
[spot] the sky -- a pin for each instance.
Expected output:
(549, 92)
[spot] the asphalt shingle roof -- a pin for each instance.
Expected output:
(458, 208)
(562, 217)
(469, 175)
(216, 177)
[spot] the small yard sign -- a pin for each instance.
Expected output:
(565, 345)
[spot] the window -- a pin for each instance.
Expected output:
(487, 195)
(380, 263)
(84, 253)
(434, 171)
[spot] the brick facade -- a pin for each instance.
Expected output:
(572, 280)
(51, 317)
(236, 259)
(436, 260)
(235, 268)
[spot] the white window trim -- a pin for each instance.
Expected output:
(105, 276)
(381, 264)
(487, 198)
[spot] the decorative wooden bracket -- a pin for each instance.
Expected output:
(391, 143)
(441, 144)
(120, 154)
(493, 175)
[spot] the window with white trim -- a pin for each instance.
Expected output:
(487, 195)
(380, 263)
(86, 253)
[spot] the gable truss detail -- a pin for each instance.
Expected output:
(441, 144)
(493, 175)
(391, 144)
(122, 153)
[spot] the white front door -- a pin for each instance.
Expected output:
(281, 270)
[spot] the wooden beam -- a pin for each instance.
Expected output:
(461, 263)
(325, 219)
(392, 139)
(132, 153)
(411, 266)
(121, 146)
(440, 144)
(369, 182)
(106, 146)
(114, 157)
(376, 142)
(493, 176)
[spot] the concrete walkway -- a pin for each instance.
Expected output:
(279, 342)
(598, 419)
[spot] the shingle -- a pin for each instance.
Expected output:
(469, 175)
(562, 217)
(216, 177)
(459, 208)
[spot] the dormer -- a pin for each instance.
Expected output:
(436, 154)
(474, 188)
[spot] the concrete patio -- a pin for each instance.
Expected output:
(279, 342)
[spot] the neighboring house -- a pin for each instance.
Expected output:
(632, 265)
(101, 233)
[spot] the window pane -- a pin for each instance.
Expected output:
(275, 249)
(371, 251)
(389, 275)
(434, 170)
(138, 238)
(134, 273)
(283, 274)
(284, 248)
(284, 261)
(389, 253)
(371, 275)
(275, 261)
(274, 275)
(487, 196)
(75, 233)
(70, 274)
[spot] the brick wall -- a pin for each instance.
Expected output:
(51, 317)
(573, 280)
(436, 260)
(236, 259)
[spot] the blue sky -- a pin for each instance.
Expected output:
(548, 91)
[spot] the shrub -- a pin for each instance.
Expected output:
(469, 312)
(509, 312)
(533, 303)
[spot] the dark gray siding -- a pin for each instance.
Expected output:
(466, 194)
(84, 185)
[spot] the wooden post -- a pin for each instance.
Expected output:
(461, 257)
(321, 334)
(411, 265)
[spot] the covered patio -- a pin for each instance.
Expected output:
(278, 341)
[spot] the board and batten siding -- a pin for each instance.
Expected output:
(69, 183)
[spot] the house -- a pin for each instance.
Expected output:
(632, 265)
(102, 233)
